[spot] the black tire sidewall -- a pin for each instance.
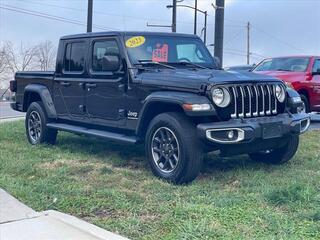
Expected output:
(37, 107)
(280, 155)
(168, 121)
(305, 102)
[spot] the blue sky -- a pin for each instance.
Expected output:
(279, 27)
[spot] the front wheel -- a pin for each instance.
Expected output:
(36, 129)
(172, 148)
(279, 155)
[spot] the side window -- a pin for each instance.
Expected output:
(100, 50)
(189, 52)
(74, 57)
(316, 65)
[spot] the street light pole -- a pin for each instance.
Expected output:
(89, 16)
(195, 16)
(205, 27)
(195, 25)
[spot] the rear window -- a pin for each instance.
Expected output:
(74, 57)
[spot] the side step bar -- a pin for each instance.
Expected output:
(93, 132)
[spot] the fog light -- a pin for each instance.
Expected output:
(225, 135)
(230, 134)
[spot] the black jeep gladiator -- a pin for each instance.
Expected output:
(166, 91)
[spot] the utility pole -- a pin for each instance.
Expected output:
(218, 31)
(89, 16)
(174, 15)
(248, 43)
(195, 16)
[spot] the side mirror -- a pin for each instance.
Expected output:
(218, 62)
(110, 63)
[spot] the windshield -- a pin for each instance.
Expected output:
(292, 64)
(170, 50)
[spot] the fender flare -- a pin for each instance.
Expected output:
(45, 96)
(174, 98)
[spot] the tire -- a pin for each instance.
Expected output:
(35, 123)
(305, 102)
(280, 155)
(173, 149)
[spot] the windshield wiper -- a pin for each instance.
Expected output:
(191, 64)
(150, 62)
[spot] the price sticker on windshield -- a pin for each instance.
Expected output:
(135, 41)
(160, 53)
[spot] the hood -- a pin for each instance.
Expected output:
(193, 79)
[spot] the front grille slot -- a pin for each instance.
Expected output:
(253, 100)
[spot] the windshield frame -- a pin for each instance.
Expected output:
(212, 64)
(282, 58)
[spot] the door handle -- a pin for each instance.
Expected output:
(66, 84)
(91, 85)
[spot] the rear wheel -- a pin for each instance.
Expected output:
(36, 125)
(305, 103)
(172, 148)
(279, 155)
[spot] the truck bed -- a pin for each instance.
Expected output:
(32, 77)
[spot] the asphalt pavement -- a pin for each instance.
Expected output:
(6, 112)
(315, 121)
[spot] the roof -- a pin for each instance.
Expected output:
(123, 33)
(295, 56)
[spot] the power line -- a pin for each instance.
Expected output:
(49, 16)
(97, 12)
(275, 38)
(234, 37)
(119, 15)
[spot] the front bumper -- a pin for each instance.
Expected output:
(238, 131)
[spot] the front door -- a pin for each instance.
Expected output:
(105, 90)
(316, 83)
(69, 92)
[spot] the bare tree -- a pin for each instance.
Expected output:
(3, 60)
(46, 55)
(21, 59)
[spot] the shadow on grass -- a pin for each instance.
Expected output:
(133, 156)
(117, 154)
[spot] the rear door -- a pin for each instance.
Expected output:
(70, 81)
(105, 90)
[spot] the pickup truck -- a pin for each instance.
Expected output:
(301, 73)
(163, 90)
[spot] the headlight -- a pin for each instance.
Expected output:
(221, 96)
(280, 93)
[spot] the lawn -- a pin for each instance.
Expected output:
(110, 185)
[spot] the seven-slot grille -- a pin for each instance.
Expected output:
(253, 100)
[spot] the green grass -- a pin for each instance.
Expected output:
(111, 186)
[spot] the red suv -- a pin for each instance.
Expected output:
(299, 72)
